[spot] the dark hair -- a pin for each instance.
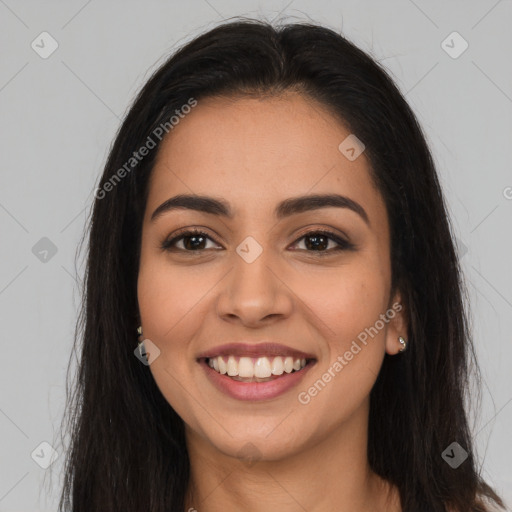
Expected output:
(128, 448)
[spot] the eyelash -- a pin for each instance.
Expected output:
(167, 245)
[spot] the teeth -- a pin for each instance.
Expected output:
(261, 367)
(288, 365)
(232, 367)
(245, 367)
(277, 366)
(223, 368)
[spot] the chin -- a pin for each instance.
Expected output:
(253, 447)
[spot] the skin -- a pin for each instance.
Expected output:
(254, 153)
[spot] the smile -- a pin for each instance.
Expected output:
(251, 387)
(255, 369)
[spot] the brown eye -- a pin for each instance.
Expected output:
(192, 241)
(318, 241)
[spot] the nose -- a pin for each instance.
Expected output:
(254, 294)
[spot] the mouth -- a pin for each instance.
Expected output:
(256, 369)
(255, 372)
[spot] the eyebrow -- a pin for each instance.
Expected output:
(286, 208)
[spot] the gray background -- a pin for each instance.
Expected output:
(60, 114)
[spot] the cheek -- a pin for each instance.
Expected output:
(347, 308)
(172, 301)
(347, 300)
(172, 305)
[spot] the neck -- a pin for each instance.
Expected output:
(336, 463)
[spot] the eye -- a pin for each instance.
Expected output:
(318, 241)
(192, 240)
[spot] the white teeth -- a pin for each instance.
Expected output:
(261, 367)
(245, 367)
(232, 367)
(277, 366)
(222, 365)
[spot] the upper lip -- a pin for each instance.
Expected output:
(255, 350)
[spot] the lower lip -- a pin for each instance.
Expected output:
(255, 390)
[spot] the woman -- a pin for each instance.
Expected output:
(270, 228)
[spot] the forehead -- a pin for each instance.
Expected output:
(256, 151)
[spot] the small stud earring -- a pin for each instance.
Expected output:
(403, 342)
(142, 348)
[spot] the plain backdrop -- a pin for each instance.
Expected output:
(59, 115)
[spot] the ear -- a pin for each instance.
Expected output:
(397, 326)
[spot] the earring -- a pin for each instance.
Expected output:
(403, 342)
(142, 348)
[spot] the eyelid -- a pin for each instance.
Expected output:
(313, 228)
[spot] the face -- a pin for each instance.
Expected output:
(312, 277)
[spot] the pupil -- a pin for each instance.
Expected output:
(316, 244)
(194, 245)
